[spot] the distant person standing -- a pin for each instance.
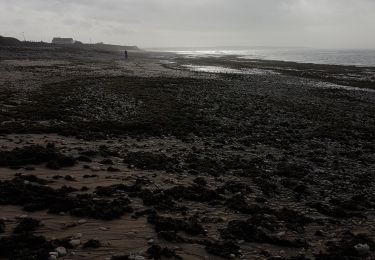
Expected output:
(126, 54)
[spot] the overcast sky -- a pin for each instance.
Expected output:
(165, 23)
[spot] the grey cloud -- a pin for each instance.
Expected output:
(320, 23)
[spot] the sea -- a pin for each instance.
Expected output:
(350, 57)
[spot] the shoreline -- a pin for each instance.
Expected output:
(361, 77)
(336, 57)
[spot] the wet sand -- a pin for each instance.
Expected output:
(154, 158)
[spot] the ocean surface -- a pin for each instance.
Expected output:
(362, 57)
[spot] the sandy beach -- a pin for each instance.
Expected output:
(165, 156)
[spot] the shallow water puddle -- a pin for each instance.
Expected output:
(336, 86)
(219, 69)
(167, 62)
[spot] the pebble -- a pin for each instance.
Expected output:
(61, 251)
(82, 221)
(320, 233)
(151, 241)
(136, 257)
(362, 249)
(75, 242)
(232, 256)
(54, 254)
(103, 228)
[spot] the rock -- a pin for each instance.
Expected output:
(320, 233)
(149, 161)
(106, 162)
(120, 257)
(84, 188)
(161, 223)
(75, 242)
(54, 254)
(69, 178)
(35, 154)
(281, 234)
(136, 257)
(2, 226)
(362, 249)
(200, 181)
(82, 221)
(92, 243)
(224, 250)
(112, 169)
(61, 251)
(158, 252)
(83, 158)
(26, 225)
(150, 242)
